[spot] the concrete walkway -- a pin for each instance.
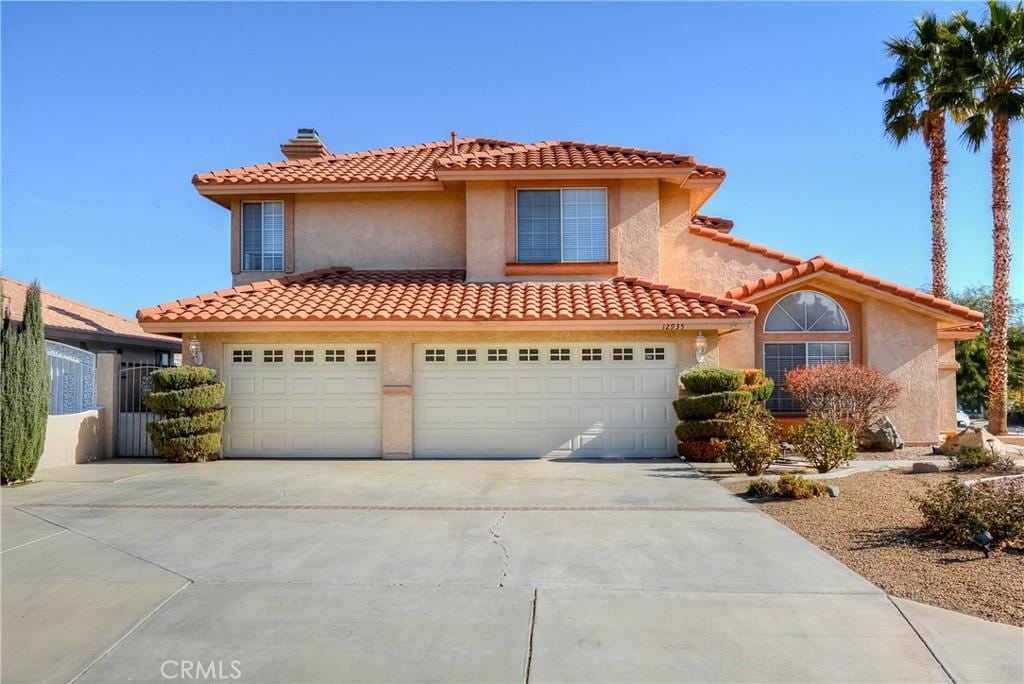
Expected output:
(463, 571)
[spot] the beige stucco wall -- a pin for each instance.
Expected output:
(485, 231)
(74, 438)
(397, 360)
(702, 264)
(947, 385)
(904, 344)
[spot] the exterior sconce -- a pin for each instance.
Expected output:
(196, 349)
(701, 347)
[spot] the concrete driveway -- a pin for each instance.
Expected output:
(507, 571)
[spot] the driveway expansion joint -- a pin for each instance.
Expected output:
(917, 633)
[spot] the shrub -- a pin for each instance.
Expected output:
(761, 488)
(758, 384)
(25, 391)
(799, 487)
(753, 443)
(191, 401)
(708, 380)
(824, 442)
(710, 405)
(956, 512)
(709, 451)
(186, 402)
(719, 428)
(183, 377)
(854, 395)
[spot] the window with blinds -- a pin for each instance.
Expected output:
(780, 357)
(263, 236)
(563, 225)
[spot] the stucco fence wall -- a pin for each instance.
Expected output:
(88, 435)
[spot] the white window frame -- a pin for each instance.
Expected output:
(764, 326)
(263, 235)
(561, 227)
(804, 343)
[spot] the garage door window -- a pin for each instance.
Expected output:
(303, 356)
(497, 354)
(560, 355)
(366, 355)
(465, 355)
(529, 355)
(241, 356)
(592, 354)
(273, 356)
(654, 354)
(434, 356)
(622, 354)
(334, 356)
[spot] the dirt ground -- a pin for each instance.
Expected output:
(873, 527)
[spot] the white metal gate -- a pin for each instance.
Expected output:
(134, 384)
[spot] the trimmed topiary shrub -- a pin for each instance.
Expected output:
(26, 391)
(799, 487)
(758, 384)
(825, 443)
(753, 443)
(709, 451)
(708, 406)
(709, 380)
(716, 428)
(190, 398)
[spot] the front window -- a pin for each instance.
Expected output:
(263, 236)
(780, 357)
(563, 225)
(806, 311)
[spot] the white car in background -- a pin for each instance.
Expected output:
(962, 419)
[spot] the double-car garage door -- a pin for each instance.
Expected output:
(469, 400)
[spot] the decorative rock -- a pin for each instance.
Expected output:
(882, 436)
(973, 437)
(833, 491)
(924, 468)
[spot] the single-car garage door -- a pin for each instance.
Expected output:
(302, 400)
(571, 400)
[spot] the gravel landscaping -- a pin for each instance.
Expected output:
(873, 527)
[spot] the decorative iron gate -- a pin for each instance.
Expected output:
(134, 384)
(72, 378)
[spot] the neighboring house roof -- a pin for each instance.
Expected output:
(417, 163)
(722, 225)
(341, 294)
(62, 315)
(820, 264)
(724, 238)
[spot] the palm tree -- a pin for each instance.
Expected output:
(990, 60)
(919, 92)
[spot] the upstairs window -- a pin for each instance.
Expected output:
(806, 311)
(563, 225)
(263, 236)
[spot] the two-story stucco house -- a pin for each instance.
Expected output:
(486, 298)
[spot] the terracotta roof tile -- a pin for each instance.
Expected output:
(60, 313)
(724, 238)
(820, 264)
(722, 225)
(416, 163)
(341, 294)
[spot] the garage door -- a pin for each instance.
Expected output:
(302, 400)
(588, 400)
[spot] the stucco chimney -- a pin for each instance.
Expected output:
(305, 145)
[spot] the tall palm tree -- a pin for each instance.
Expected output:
(919, 93)
(990, 60)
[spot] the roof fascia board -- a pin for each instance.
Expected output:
(279, 188)
(533, 174)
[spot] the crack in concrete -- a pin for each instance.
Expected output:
(496, 539)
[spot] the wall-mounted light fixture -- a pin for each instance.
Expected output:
(196, 349)
(701, 347)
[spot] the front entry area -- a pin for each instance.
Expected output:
(302, 400)
(535, 400)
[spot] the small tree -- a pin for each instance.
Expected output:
(853, 395)
(25, 391)
(753, 443)
(190, 398)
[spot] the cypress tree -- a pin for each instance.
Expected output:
(25, 391)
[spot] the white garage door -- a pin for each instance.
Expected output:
(515, 400)
(302, 400)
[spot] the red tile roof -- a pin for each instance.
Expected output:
(417, 163)
(820, 264)
(341, 294)
(722, 225)
(724, 238)
(60, 313)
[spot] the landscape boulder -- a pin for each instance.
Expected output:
(973, 437)
(882, 436)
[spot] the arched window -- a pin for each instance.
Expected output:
(806, 311)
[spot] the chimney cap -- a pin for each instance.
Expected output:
(307, 134)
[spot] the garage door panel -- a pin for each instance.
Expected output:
(547, 402)
(325, 407)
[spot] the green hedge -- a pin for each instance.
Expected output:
(709, 380)
(204, 447)
(758, 384)
(183, 377)
(186, 402)
(186, 425)
(704, 429)
(710, 405)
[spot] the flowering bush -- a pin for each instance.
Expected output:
(853, 395)
(824, 442)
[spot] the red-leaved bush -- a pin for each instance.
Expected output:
(855, 396)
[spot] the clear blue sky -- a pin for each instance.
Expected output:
(108, 110)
